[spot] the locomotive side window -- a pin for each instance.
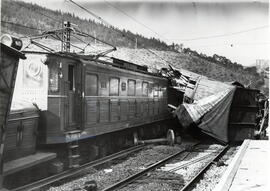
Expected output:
(71, 77)
(150, 89)
(156, 90)
(131, 87)
(163, 91)
(91, 85)
(103, 84)
(145, 88)
(114, 86)
(53, 78)
(123, 86)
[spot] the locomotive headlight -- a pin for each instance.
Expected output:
(11, 41)
(6, 40)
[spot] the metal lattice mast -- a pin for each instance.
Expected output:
(66, 37)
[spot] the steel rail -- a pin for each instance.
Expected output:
(76, 171)
(191, 162)
(199, 175)
(131, 178)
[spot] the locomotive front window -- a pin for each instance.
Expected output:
(53, 78)
(145, 88)
(91, 85)
(114, 86)
(131, 87)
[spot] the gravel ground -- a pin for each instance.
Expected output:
(213, 175)
(133, 164)
(169, 177)
(166, 178)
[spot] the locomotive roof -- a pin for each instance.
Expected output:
(115, 62)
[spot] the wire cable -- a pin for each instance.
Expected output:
(111, 26)
(91, 13)
(134, 19)
(41, 13)
(224, 35)
(19, 25)
(234, 44)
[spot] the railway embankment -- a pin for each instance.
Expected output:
(156, 167)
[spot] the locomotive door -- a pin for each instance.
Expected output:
(74, 97)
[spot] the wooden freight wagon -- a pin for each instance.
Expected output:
(21, 134)
(243, 114)
(17, 128)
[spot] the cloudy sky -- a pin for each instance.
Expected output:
(235, 29)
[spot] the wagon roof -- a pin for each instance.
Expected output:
(12, 51)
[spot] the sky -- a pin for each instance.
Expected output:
(238, 29)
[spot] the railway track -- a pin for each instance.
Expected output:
(139, 178)
(200, 174)
(77, 171)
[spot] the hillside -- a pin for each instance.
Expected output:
(190, 63)
(215, 67)
(34, 16)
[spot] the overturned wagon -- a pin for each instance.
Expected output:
(226, 111)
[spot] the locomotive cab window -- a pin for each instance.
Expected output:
(71, 77)
(103, 84)
(91, 85)
(114, 86)
(145, 88)
(131, 87)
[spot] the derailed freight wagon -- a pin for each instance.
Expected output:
(226, 111)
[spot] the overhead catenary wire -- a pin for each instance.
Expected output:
(134, 19)
(112, 27)
(86, 34)
(137, 21)
(89, 45)
(223, 35)
(91, 13)
(37, 29)
(20, 25)
(91, 36)
(60, 21)
(233, 44)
